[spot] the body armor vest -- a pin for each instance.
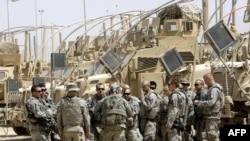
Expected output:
(71, 107)
(155, 109)
(181, 102)
(113, 111)
(216, 108)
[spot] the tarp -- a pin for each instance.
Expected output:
(189, 12)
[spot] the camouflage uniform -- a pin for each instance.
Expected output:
(73, 118)
(95, 123)
(38, 110)
(51, 109)
(198, 114)
(133, 133)
(175, 113)
(149, 110)
(163, 117)
(114, 112)
(212, 105)
(188, 115)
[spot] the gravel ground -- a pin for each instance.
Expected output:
(7, 134)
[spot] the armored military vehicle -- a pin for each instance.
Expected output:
(167, 45)
(154, 45)
(159, 44)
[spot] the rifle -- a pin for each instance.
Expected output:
(48, 123)
(179, 126)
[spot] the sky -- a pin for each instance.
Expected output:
(66, 12)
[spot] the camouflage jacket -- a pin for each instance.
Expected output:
(72, 111)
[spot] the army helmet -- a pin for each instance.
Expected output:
(72, 87)
(184, 82)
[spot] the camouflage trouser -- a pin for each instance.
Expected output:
(164, 133)
(149, 131)
(134, 135)
(38, 133)
(113, 133)
(174, 135)
(198, 135)
(94, 136)
(198, 131)
(74, 133)
(186, 136)
(212, 131)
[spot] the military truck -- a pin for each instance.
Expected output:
(10, 79)
(142, 53)
(158, 44)
(165, 46)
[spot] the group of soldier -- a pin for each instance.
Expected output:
(114, 114)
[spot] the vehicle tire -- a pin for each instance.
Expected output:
(19, 130)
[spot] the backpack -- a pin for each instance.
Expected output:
(113, 111)
(222, 103)
(181, 103)
(156, 109)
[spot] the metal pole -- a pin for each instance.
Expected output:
(36, 51)
(233, 13)
(41, 16)
(84, 7)
(8, 18)
(216, 15)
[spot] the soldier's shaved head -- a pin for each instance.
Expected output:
(125, 86)
(209, 79)
(145, 85)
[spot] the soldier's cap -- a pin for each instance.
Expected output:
(72, 87)
(41, 85)
(114, 87)
(184, 82)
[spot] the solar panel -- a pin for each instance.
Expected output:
(111, 60)
(58, 60)
(12, 85)
(172, 61)
(220, 37)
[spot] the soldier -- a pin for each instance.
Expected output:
(214, 101)
(149, 109)
(185, 88)
(45, 94)
(163, 112)
(174, 124)
(114, 111)
(47, 101)
(198, 111)
(72, 116)
(189, 110)
(133, 133)
(36, 115)
(92, 102)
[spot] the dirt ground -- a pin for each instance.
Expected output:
(7, 134)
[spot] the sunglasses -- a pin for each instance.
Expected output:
(152, 88)
(100, 89)
(44, 90)
(126, 93)
(196, 84)
(38, 91)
